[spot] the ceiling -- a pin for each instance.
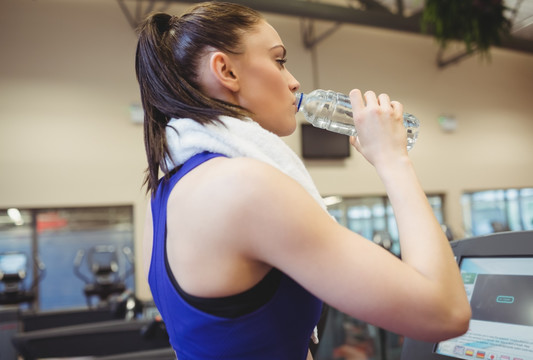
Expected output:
(402, 15)
(523, 21)
(521, 14)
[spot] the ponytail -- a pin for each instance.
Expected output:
(166, 64)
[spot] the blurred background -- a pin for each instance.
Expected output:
(71, 145)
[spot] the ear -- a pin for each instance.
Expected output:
(223, 70)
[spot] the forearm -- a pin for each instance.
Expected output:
(425, 247)
(423, 243)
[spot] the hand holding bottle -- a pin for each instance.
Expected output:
(381, 134)
(330, 110)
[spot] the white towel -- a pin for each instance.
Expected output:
(236, 138)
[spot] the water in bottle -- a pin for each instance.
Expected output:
(332, 111)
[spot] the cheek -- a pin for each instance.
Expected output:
(265, 93)
(268, 77)
(262, 92)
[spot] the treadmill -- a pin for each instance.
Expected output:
(115, 301)
(97, 339)
(13, 292)
(13, 271)
(159, 354)
(497, 271)
(113, 326)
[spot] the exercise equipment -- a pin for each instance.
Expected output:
(117, 324)
(97, 339)
(105, 281)
(158, 354)
(103, 264)
(497, 272)
(13, 272)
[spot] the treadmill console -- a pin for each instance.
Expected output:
(497, 272)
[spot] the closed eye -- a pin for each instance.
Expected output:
(281, 61)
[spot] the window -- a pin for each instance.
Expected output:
(373, 217)
(60, 243)
(16, 232)
(489, 211)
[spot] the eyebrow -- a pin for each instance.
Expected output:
(280, 46)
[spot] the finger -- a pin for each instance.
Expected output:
(371, 99)
(397, 107)
(384, 101)
(354, 141)
(357, 100)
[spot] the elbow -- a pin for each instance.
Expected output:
(454, 322)
(447, 323)
(459, 321)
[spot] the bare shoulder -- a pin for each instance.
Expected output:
(238, 179)
(263, 208)
(228, 215)
(245, 202)
(242, 170)
(259, 191)
(209, 205)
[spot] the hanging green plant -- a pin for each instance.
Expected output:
(478, 23)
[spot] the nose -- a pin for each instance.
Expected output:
(294, 85)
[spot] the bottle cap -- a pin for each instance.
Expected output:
(299, 98)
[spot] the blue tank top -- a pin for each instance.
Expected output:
(280, 329)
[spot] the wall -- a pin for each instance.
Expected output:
(490, 100)
(67, 80)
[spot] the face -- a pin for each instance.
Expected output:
(266, 86)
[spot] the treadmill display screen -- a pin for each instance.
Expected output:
(500, 291)
(12, 263)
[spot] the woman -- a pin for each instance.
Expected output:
(239, 247)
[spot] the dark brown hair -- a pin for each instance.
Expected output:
(166, 63)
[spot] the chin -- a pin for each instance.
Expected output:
(281, 126)
(287, 130)
(289, 126)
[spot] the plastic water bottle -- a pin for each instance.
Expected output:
(332, 111)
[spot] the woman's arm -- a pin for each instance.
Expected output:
(421, 296)
(382, 141)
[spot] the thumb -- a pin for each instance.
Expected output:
(354, 140)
